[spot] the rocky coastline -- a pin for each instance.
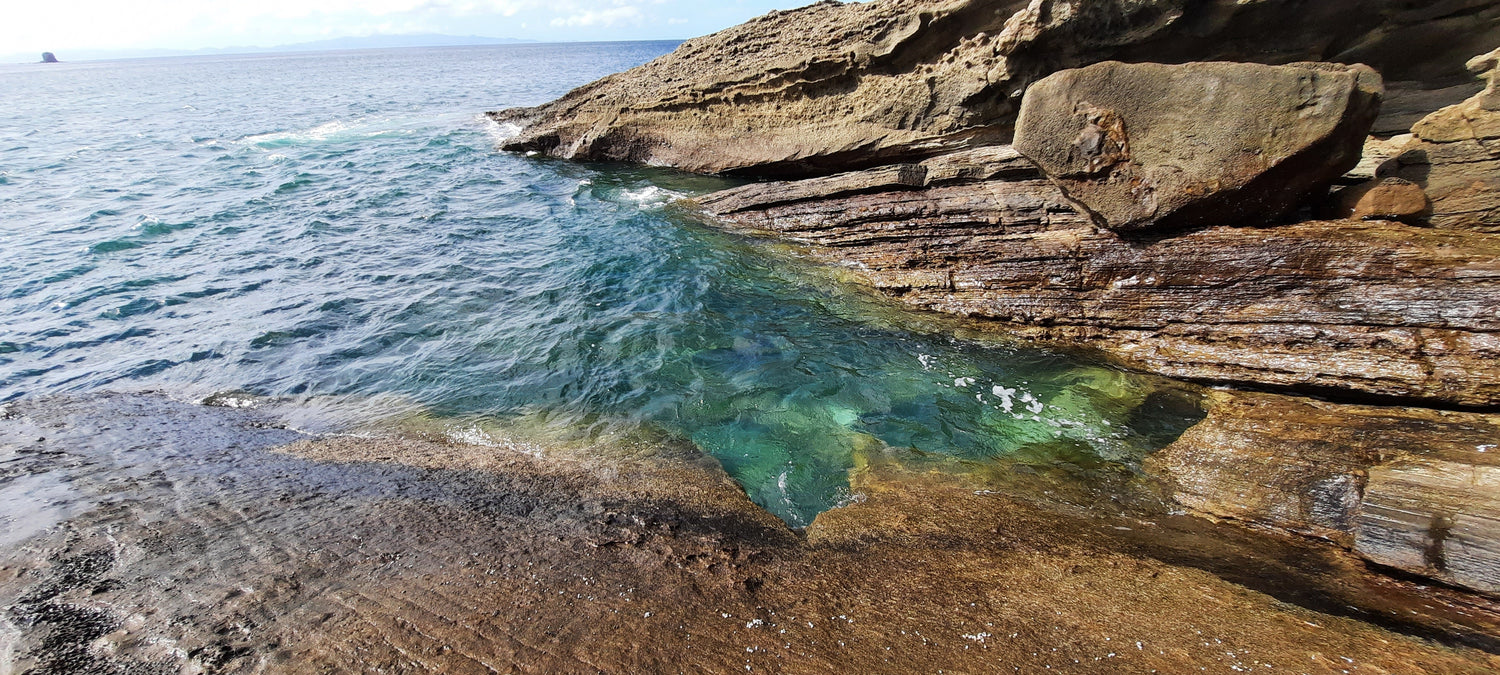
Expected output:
(1318, 241)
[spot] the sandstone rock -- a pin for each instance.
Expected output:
(1376, 308)
(1487, 67)
(1410, 488)
(1406, 103)
(1377, 152)
(1163, 147)
(1455, 157)
(1382, 199)
(877, 219)
(834, 87)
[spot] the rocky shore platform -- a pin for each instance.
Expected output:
(1295, 205)
(147, 535)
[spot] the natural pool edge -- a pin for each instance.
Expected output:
(394, 550)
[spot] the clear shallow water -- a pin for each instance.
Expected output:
(339, 225)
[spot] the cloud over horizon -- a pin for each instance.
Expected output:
(94, 25)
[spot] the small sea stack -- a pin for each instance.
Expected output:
(49, 57)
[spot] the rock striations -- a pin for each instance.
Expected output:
(832, 87)
(1158, 204)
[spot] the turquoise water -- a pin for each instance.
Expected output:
(339, 225)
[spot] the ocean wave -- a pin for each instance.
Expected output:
(651, 196)
(499, 132)
(336, 131)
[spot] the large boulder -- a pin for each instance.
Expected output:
(1455, 156)
(834, 87)
(1160, 147)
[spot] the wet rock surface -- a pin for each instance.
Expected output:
(837, 87)
(170, 537)
(1168, 147)
(1409, 488)
(1379, 308)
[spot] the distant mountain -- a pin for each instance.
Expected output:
(367, 42)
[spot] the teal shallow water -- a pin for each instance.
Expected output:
(340, 225)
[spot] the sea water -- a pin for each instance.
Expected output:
(340, 226)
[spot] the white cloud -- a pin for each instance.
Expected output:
(63, 25)
(601, 18)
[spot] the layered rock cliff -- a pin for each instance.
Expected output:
(832, 87)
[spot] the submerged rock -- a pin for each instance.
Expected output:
(1410, 488)
(1165, 147)
(835, 87)
(1455, 157)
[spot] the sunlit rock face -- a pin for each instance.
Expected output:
(833, 87)
(1455, 156)
(1152, 147)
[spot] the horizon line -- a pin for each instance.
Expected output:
(291, 48)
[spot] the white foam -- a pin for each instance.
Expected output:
(500, 132)
(1007, 403)
(651, 196)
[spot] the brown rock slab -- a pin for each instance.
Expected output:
(1410, 488)
(1487, 67)
(1382, 199)
(1437, 518)
(835, 87)
(1166, 147)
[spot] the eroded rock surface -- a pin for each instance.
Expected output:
(834, 87)
(1168, 147)
(1378, 308)
(183, 539)
(1410, 488)
(1455, 157)
(1382, 199)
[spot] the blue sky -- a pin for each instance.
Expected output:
(62, 25)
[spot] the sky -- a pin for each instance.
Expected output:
(34, 26)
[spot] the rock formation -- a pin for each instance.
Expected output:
(1413, 489)
(1151, 146)
(49, 57)
(1455, 157)
(1382, 199)
(892, 120)
(833, 87)
(1376, 308)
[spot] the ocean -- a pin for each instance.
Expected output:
(337, 231)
